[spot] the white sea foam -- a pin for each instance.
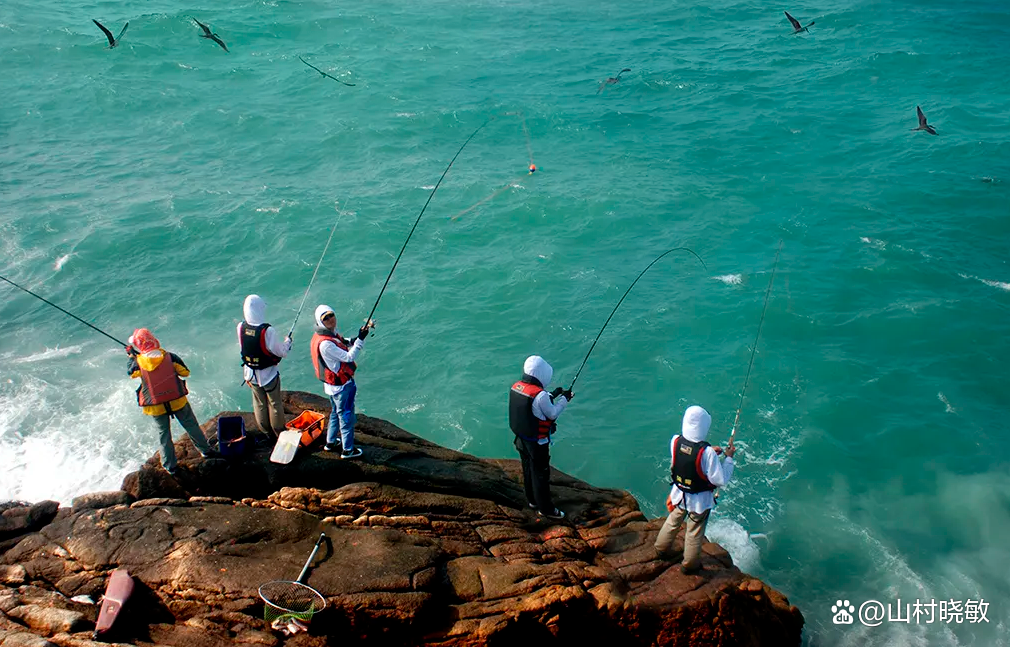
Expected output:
(47, 354)
(737, 541)
(53, 447)
(412, 408)
(268, 210)
(730, 279)
(996, 284)
(943, 399)
(61, 261)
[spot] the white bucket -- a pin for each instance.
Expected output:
(287, 445)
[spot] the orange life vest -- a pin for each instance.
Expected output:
(323, 372)
(162, 385)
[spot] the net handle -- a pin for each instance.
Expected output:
(304, 575)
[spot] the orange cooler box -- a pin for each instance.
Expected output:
(310, 424)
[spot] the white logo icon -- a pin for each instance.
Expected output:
(842, 613)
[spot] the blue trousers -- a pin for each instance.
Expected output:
(342, 417)
(187, 419)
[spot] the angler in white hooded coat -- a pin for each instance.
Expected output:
(333, 358)
(696, 472)
(532, 412)
(262, 349)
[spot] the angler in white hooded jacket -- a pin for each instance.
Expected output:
(333, 358)
(696, 472)
(532, 412)
(262, 349)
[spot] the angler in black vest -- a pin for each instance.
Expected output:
(262, 350)
(532, 415)
(696, 472)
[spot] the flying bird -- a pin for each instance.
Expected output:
(797, 27)
(612, 80)
(207, 34)
(922, 122)
(108, 34)
(323, 73)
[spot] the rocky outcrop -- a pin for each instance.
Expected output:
(426, 546)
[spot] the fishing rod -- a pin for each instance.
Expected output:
(746, 380)
(316, 271)
(622, 300)
(121, 343)
(432, 195)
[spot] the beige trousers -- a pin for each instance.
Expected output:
(268, 407)
(694, 536)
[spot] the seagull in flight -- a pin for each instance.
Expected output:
(797, 27)
(922, 122)
(208, 34)
(612, 80)
(323, 73)
(108, 34)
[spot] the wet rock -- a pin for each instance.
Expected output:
(425, 546)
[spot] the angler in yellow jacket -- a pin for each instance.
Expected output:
(162, 394)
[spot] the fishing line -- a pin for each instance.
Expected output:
(480, 202)
(316, 271)
(121, 343)
(529, 144)
(622, 300)
(768, 293)
(368, 321)
(511, 183)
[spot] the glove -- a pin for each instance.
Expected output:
(569, 395)
(131, 351)
(363, 332)
(669, 503)
(556, 392)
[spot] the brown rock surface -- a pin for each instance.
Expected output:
(426, 546)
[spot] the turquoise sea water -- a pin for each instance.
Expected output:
(158, 183)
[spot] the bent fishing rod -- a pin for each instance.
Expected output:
(675, 249)
(316, 271)
(95, 328)
(753, 350)
(368, 321)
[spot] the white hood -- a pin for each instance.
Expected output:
(538, 368)
(696, 424)
(254, 310)
(320, 311)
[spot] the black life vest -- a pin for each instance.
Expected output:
(521, 419)
(686, 471)
(323, 372)
(160, 386)
(255, 353)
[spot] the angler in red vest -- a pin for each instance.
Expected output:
(333, 359)
(162, 394)
(696, 472)
(532, 415)
(262, 350)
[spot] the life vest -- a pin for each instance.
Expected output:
(686, 471)
(255, 353)
(323, 372)
(160, 386)
(521, 419)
